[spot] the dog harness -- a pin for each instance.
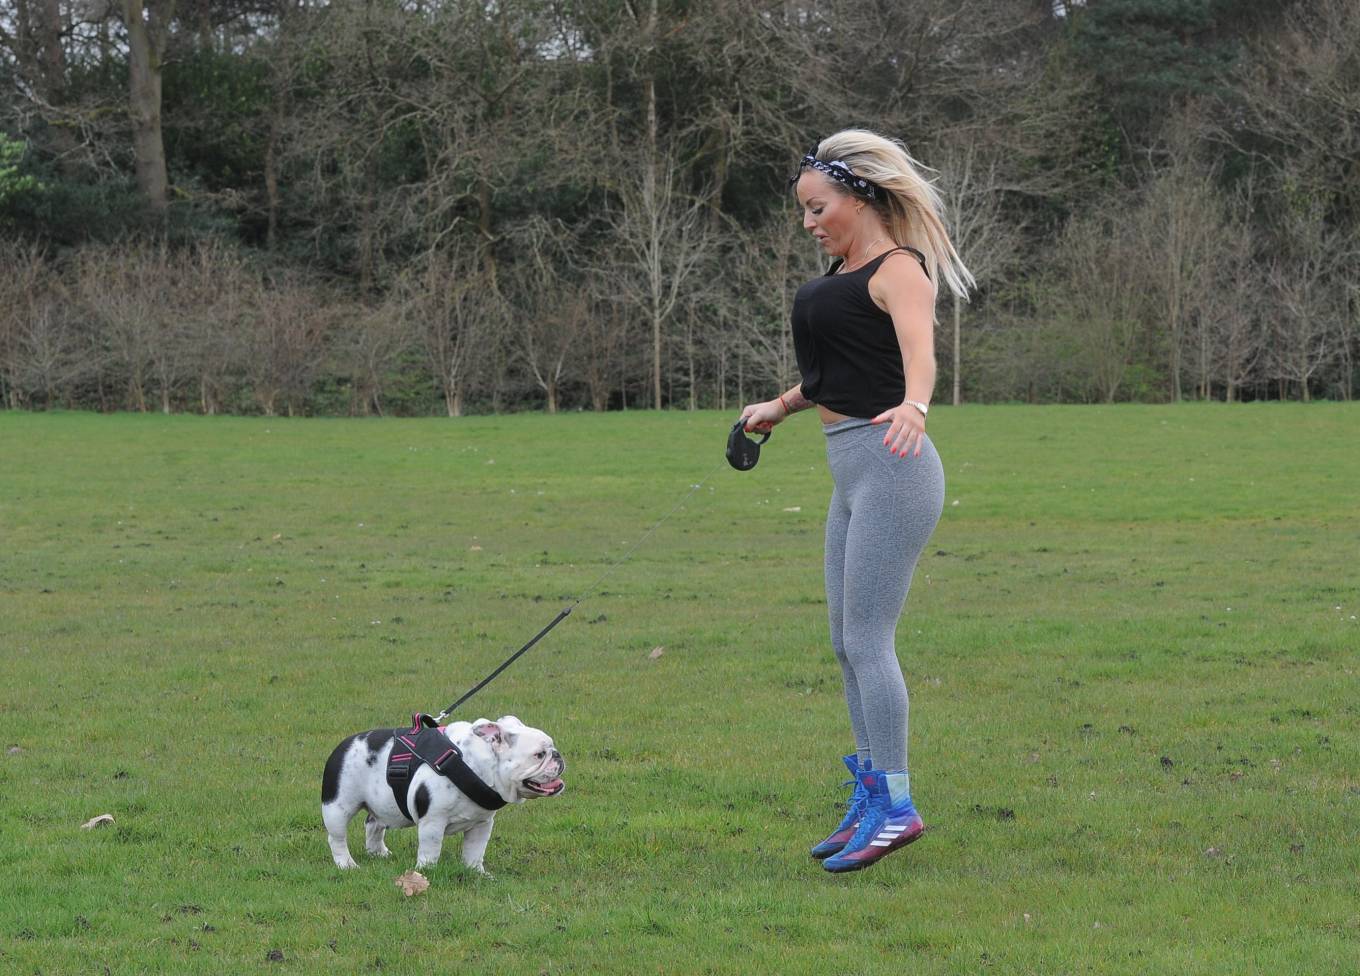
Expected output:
(425, 743)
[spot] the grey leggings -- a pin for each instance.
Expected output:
(882, 513)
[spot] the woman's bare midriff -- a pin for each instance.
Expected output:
(830, 416)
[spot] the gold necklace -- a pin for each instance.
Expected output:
(863, 261)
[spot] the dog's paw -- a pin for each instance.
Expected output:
(380, 852)
(345, 864)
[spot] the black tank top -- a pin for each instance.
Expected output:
(846, 346)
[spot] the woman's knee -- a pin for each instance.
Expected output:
(864, 652)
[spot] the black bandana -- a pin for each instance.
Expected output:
(838, 171)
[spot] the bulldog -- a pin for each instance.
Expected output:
(515, 761)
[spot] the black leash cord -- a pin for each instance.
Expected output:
(585, 595)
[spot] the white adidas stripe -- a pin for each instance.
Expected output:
(880, 843)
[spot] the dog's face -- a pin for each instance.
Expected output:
(526, 756)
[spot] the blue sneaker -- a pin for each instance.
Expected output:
(859, 801)
(889, 822)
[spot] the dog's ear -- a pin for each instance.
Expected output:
(510, 722)
(490, 731)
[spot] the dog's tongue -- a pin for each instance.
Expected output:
(550, 786)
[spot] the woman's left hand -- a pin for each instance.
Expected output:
(906, 429)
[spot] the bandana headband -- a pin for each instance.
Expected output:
(840, 172)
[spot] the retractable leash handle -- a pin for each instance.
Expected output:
(742, 452)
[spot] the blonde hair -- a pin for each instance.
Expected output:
(909, 204)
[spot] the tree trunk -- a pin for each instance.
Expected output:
(656, 359)
(722, 378)
(271, 180)
(367, 232)
(689, 354)
(486, 228)
(146, 45)
(958, 315)
(651, 196)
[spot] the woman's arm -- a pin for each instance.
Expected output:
(763, 416)
(902, 289)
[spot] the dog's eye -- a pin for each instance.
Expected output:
(540, 754)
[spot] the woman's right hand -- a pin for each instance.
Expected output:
(763, 416)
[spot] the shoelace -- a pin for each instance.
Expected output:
(859, 800)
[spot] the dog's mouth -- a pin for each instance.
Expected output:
(548, 782)
(551, 787)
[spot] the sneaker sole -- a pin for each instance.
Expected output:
(860, 865)
(821, 853)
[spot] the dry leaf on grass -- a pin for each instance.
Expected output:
(656, 652)
(412, 883)
(99, 821)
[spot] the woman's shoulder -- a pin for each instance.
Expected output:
(917, 259)
(901, 272)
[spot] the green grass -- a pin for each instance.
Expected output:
(1132, 649)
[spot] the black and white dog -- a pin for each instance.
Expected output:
(515, 761)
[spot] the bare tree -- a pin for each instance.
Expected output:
(41, 350)
(989, 241)
(1099, 305)
(127, 290)
(447, 300)
(284, 343)
(602, 338)
(1300, 90)
(1181, 216)
(371, 343)
(427, 124)
(1232, 325)
(549, 307)
(220, 304)
(1307, 285)
(1350, 330)
(26, 278)
(660, 232)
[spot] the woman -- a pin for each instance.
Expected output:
(864, 340)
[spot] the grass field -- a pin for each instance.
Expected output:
(1132, 649)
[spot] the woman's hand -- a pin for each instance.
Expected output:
(906, 428)
(763, 416)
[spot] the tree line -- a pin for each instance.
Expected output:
(417, 206)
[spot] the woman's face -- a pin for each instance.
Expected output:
(829, 215)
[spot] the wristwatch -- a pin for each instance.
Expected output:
(923, 407)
